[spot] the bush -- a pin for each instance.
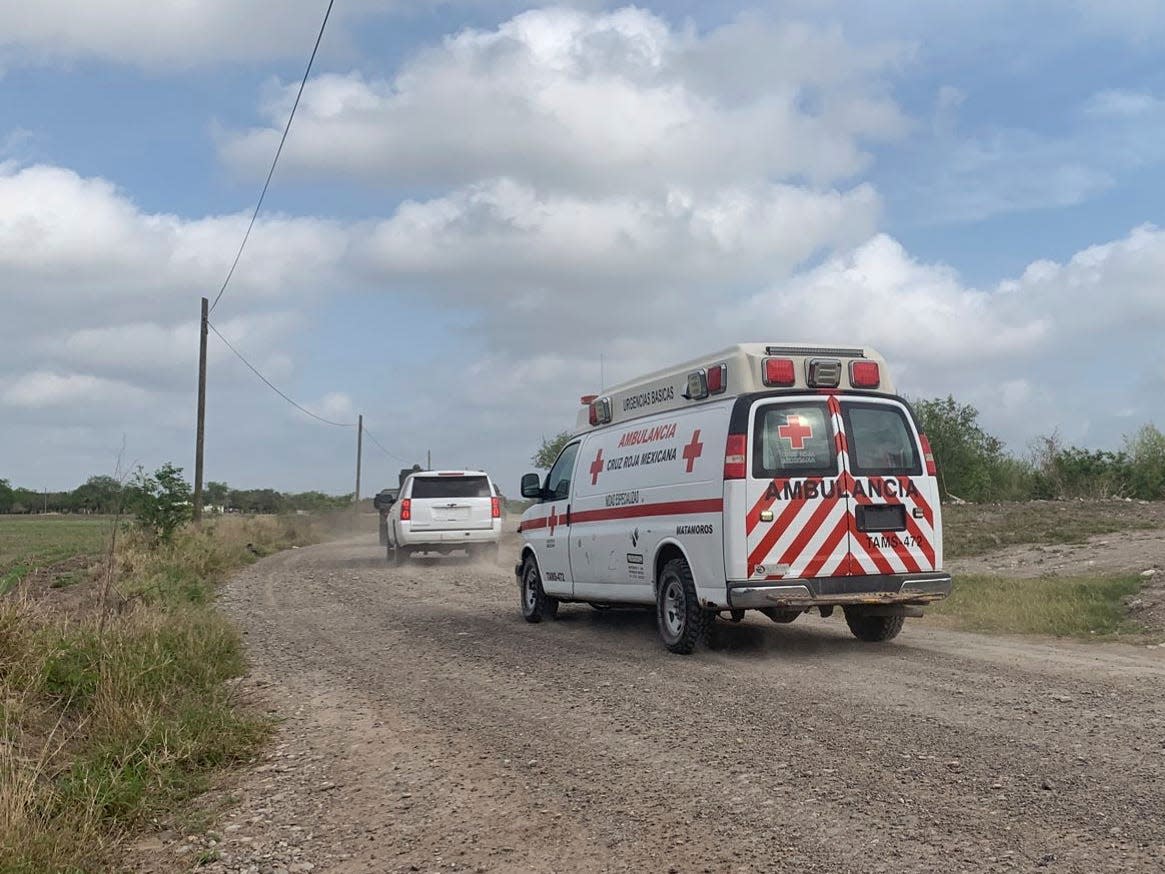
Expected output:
(161, 502)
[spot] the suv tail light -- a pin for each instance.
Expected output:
(736, 456)
(495, 507)
(928, 456)
(406, 510)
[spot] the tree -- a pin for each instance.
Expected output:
(216, 494)
(161, 502)
(1146, 454)
(548, 452)
(970, 461)
(99, 494)
(7, 496)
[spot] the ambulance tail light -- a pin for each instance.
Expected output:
(717, 379)
(928, 456)
(779, 371)
(406, 510)
(495, 507)
(736, 456)
(864, 374)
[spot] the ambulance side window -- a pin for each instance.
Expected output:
(792, 440)
(558, 480)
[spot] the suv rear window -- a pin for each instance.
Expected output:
(880, 441)
(451, 487)
(793, 440)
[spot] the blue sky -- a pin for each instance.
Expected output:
(478, 201)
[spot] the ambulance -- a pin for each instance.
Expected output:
(775, 477)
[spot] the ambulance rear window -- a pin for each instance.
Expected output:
(451, 487)
(793, 440)
(880, 441)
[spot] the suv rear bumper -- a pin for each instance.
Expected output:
(841, 591)
(450, 537)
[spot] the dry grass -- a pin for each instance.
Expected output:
(974, 529)
(107, 720)
(1084, 607)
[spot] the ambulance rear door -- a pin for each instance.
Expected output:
(798, 523)
(893, 520)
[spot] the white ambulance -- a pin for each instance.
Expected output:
(780, 478)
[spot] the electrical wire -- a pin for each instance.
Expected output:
(275, 161)
(370, 436)
(255, 371)
(302, 409)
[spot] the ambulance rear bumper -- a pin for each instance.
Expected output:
(910, 589)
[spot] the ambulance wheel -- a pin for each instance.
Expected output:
(873, 629)
(683, 623)
(536, 604)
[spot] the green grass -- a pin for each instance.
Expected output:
(974, 529)
(107, 726)
(31, 542)
(1061, 607)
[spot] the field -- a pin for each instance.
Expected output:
(30, 543)
(106, 728)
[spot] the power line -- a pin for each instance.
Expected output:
(275, 161)
(272, 387)
(381, 447)
(302, 409)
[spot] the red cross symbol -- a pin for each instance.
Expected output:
(553, 520)
(693, 450)
(597, 467)
(795, 430)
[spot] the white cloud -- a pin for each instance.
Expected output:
(40, 389)
(169, 34)
(610, 102)
(75, 248)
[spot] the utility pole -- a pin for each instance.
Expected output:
(429, 459)
(198, 441)
(359, 452)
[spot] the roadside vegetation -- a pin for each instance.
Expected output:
(1057, 606)
(976, 529)
(116, 703)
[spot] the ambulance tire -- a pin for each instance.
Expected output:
(536, 604)
(683, 623)
(873, 629)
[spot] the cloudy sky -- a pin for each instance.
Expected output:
(484, 208)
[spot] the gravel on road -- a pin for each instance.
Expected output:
(427, 727)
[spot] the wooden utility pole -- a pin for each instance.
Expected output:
(429, 459)
(198, 440)
(359, 451)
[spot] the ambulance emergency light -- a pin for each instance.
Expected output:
(600, 411)
(707, 381)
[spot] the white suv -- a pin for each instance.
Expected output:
(443, 510)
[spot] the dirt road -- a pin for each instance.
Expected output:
(428, 728)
